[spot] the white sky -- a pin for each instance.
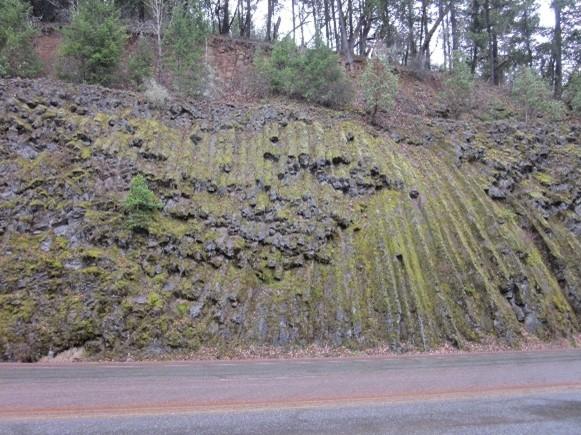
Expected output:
(545, 13)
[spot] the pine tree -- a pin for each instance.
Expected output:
(534, 96)
(458, 86)
(17, 55)
(93, 43)
(379, 87)
(184, 41)
(140, 204)
(321, 78)
(572, 94)
(140, 63)
(312, 74)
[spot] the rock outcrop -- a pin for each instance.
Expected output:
(280, 226)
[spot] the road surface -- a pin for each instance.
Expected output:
(535, 392)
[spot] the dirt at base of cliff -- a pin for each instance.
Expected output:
(254, 352)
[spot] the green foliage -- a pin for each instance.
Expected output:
(458, 87)
(494, 108)
(140, 63)
(17, 55)
(379, 86)
(534, 96)
(323, 79)
(93, 43)
(140, 204)
(313, 74)
(573, 93)
(184, 42)
(280, 68)
(155, 301)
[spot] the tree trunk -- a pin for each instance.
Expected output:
(489, 32)
(528, 38)
(429, 35)
(294, 21)
(334, 16)
(327, 19)
(248, 23)
(454, 26)
(557, 50)
(317, 30)
(158, 10)
(225, 28)
(345, 49)
(445, 38)
(475, 27)
(275, 30)
(141, 11)
(240, 16)
(411, 49)
(269, 12)
(424, 22)
(302, 22)
(497, 70)
(350, 18)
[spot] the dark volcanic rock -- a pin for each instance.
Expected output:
(279, 227)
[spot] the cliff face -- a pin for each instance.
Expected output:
(281, 226)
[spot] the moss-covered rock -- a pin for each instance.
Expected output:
(280, 226)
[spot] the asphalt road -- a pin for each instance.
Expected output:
(536, 392)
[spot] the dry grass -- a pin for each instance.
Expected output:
(156, 94)
(74, 354)
(257, 352)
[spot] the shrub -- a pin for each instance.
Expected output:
(313, 74)
(140, 204)
(534, 96)
(573, 93)
(140, 63)
(17, 55)
(93, 43)
(324, 80)
(155, 93)
(379, 86)
(494, 108)
(281, 67)
(458, 87)
(184, 40)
